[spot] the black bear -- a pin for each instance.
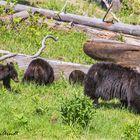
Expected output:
(77, 76)
(40, 72)
(8, 72)
(108, 80)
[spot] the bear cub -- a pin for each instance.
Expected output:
(40, 72)
(77, 76)
(8, 72)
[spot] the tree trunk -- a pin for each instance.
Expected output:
(124, 54)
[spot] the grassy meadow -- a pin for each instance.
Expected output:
(35, 112)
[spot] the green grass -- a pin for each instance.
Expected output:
(33, 112)
(69, 47)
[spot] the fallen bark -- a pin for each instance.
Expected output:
(83, 20)
(124, 54)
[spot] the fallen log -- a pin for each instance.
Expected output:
(120, 53)
(60, 68)
(83, 20)
(90, 31)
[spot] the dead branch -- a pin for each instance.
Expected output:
(7, 56)
(43, 45)
(109, 8)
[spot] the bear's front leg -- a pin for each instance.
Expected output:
(6, 83)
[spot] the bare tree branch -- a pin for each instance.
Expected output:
(43, 45)
(109, 8)
(107, 11)
(7, 56)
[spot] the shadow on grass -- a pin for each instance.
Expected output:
(111, 105)
(118, 105)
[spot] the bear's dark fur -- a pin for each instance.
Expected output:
(77, 76)
(108, 80)
(40, 72)
(8, 72)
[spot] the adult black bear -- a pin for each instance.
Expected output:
(40, 72)
(8, 72)
(77, 76)
(108, 80)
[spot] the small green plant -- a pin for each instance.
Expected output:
(78, 110)
(131, 131)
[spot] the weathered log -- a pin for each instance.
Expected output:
(59, 67)
(83, 20)
(124, 54)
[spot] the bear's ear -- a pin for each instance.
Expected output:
(11, 63)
